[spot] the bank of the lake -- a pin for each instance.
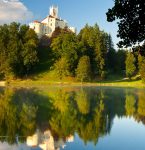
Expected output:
(36, 83)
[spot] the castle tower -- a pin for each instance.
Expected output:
(54, 11)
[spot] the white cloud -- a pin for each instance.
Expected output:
(14, 10)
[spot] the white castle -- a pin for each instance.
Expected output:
(48, 25)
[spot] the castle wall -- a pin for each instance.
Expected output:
(37, 27)
(60, 23)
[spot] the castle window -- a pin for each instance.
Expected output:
(51, 24)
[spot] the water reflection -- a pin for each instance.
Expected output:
(49, 118)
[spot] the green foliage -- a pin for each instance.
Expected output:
(120, 61)
(111, 55)
(83, 71)
(101, 52)
(130, 65)
(20, 51)
(65, 45)
(141, 64)
(95, 44)
(131, 20)
(18, 47)
(61, 68)
(89, 35)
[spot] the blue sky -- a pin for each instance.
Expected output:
(76, 12)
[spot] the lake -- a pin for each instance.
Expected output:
(72, 118)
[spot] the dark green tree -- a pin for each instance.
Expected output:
(130, 15)
(88, 39)
(111, 55)
(65, 45)
(101, 54)
(94, 43)
(120, 61)
(18, 49)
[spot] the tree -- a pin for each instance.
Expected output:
(61, 68)
(18, 49)
(111, 55)
(65, 45)
(83, 71)
(131, 20)
(130, 65)
(141, 66)
(101, 54)
(95, 45)
(120, 61)
(29, 53)
(88, 39)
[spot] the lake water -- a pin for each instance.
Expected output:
(72, 118)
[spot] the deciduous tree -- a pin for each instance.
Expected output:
(83, 71)
(130, 15)
(130, 65)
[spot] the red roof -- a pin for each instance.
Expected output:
(35, 21)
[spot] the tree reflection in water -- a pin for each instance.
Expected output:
(58, 113)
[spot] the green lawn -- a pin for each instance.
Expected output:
(48, 78)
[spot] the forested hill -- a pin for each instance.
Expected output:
(88, 56)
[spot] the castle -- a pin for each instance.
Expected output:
(48, 25)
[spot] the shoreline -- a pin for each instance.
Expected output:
(41, 83)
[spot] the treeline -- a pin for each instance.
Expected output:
(18, 50)
(88, 56)
(135, 62)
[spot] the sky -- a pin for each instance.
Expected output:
(76, 12)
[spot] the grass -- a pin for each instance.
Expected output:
(49, 78)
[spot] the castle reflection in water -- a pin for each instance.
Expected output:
(38, 141)
(46, 141)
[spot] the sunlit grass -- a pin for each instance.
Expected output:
(49, 78)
